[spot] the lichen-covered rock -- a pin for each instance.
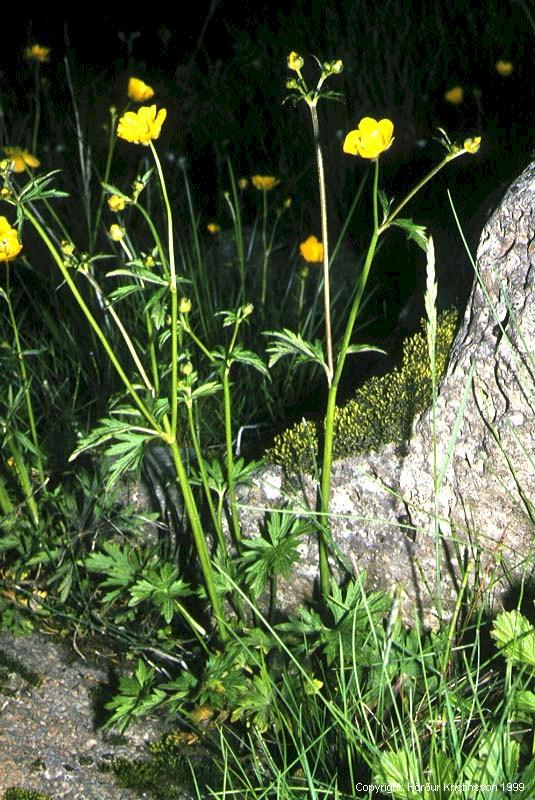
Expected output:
(398, 512)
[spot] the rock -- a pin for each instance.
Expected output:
(384, 505)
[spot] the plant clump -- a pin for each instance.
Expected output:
(382, 410)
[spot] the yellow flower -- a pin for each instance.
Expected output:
(264, 182)
(370, 139)
(472, 145)
(212, 228)
(139, 91)
(117, 233)
(187, 368)
(20, 159)
(295, 61)
(38, 53)
(116, 203)
(243, 183)
(9, 241)
(184, 306)
(311, 250)
(455, 95)
(143, 126)
(504, 68)
(67, 247)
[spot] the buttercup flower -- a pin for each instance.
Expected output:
(212, 228)
(20, 159)
(504, 68)
(312, 250)
(67, 247)
(9, 241)
(38, 53)
(295, 61)
(455, 95)
(117, 233)
(370, 139)
(142, 126)
(116, 203)
(472, 145)
(139, 91)
(264, 182)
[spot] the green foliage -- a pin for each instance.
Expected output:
(18, 793)
(381, 411)
(273, 555)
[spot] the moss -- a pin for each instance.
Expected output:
(18, 793)
(382, 410)
(165, 774)
(9, 663)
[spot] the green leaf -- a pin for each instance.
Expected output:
(415, 232)
(275, 553)
(365, 348)
(292, 344)
(141, 272)
(400, 770)
(515, 636)
(36, 189)
(250, 358)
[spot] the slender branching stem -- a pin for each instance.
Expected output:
(325, 240)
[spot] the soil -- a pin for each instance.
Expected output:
(50, 740)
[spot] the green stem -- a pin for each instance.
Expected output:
(230, 458)
(204, 481)
(37, 117)
(24, 378)
(174, 298)
(5, 501)
(325, 240)
(155, 236)
(107, 168)
(24, 479)
(265, 248)
(90, 318)
(197, 532)
(393, 214)
(327, 459)
(124, 333)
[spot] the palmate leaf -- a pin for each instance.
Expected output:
(162, 588)
(288, 343)
(266, 557)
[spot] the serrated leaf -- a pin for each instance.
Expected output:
(123, 291)
(288, 343)
(206, 389)
(415, 232)
(515, 636)
(399, 770)
(250, 358)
